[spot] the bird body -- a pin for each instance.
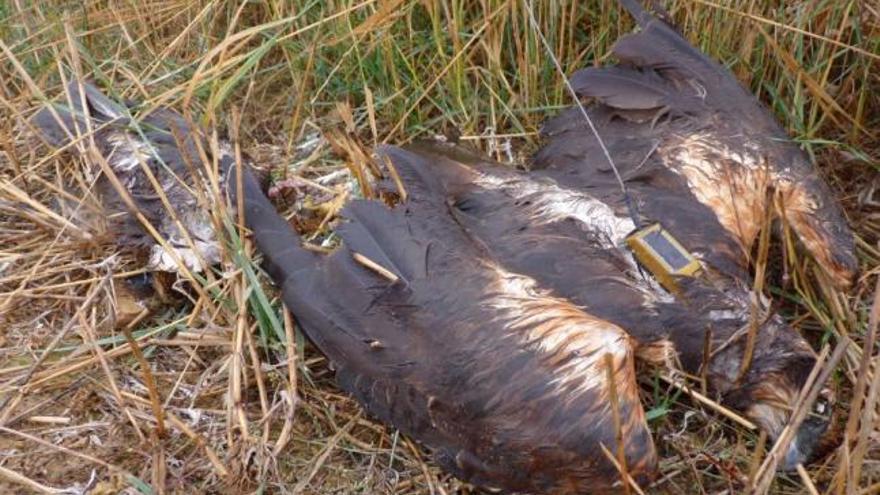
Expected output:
(577, 250)
(697, 154)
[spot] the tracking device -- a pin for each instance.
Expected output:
(661, 253)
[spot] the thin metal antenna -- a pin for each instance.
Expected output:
(629, 204)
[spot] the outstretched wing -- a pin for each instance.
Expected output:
(696, 150)
(508, 386)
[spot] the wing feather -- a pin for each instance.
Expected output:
(631, 89)
(388, 245)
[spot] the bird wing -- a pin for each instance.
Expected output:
(507, 385)
(161, 145)
(697, 151)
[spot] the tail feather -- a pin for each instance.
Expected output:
(658, 46)
(630, 89)
(642, 16)
(635, 9)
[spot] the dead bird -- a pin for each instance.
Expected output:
(508, 386)
(698, 154)
(410, 339)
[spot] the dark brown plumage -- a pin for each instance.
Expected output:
(570, 242)
(507, 385)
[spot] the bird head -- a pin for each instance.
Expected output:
(768, 390)
(817, 435)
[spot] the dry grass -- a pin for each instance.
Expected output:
(240, 402)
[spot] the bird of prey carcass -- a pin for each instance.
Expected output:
(495, 316)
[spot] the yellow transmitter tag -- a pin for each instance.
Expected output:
(662, 255)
